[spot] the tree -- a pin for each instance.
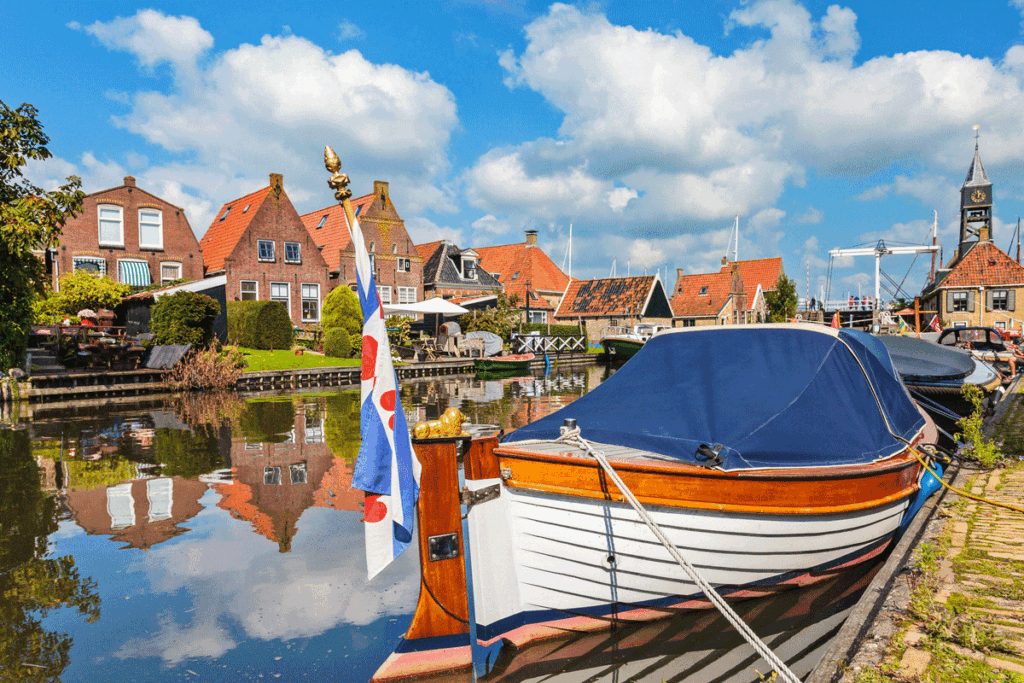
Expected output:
(184, 318)
(341, 309)
(500, 320)
(31, 219)
(782, 302)
(82, 290)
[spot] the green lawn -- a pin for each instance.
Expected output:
(263, 361)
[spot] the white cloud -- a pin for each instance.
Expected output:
(423, 230)
(811, 216)
(619, 198)
(349, 31)
(153, 37)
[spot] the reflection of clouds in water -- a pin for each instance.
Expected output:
(66, 529)
(235, 576)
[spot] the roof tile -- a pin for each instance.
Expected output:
(529, 261)
(985, 265)
(332, 236)
(606, 296)
(223, 234)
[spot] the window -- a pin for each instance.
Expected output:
(133, 272)
(310, 302)
(406, 295)
(279, 291)
(1000, 324)
(404, 264)
(160, 494)
(323, 219)
(960, 324)
(272, 476)
(226, 212)
(537, 317)
(384, 293)
(266, 250)
(959, 301)
(297, 473)
(613, 322)
(246, 208)
(292, 252)
(689, 322)
(111, 225)
(90, 264)
(314, 424)
(151, 229)
(469, 269)
(394, 248)
(515, 275)
(121, 506)
(1000, 300)
(704, 289)
(170, 271)
(248, 290)
(373, 262)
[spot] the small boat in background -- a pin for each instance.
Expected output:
(984, 343)
(518, 362)
(622, 343)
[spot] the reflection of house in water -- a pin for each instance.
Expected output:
(273, 483)
(140, 513)
(336, 490)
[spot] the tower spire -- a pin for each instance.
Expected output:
(975, 203)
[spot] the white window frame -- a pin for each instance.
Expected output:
(89, 259)
(961, 302)
(259, 251)
(298, 246)
(303, 298)
(960, 323)
(384, 292)
(169, 264)
(159, 244)
(131, 260)
(469, 268)
(543, 315)
(1005, 299)
(1000, 324)
(99, 224)
(406, 295)
(242, 292)
(286, 285)
(404, 264)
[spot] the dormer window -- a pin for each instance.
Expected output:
(469, 268)
(704, 289)
(245, 209)
(226, 212)
(515, 275)
(322, 221)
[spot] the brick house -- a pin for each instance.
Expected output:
(524, 268)
(453, 273)
(725, 297)
(397, 265)
(615, 302)
(259, 243)
(131, 236)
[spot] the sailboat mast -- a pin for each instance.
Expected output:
(935, 239)
(736, 244)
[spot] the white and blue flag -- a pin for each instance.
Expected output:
(386, 469)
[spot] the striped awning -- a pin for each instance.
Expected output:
(134, 273)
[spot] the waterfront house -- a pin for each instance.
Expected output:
(259, 243)
(131, 236)
(524, 270)
(981, 284)
(397, 265)
(721, 298)
(616, 302)
(453, 273)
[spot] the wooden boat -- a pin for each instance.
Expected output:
(938, 370)
(984, 343)
(622, 343)
(520, 361)
(772, 456)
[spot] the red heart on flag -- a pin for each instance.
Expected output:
(374, 509)
(369, 357)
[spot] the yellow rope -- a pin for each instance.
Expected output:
(963, 493)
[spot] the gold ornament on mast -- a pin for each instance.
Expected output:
(339, 183)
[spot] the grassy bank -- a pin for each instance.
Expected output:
(266, 361)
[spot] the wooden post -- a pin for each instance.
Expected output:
(917, 313)
(443, 606)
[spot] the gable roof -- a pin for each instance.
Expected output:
(223, 234)
(688, 301)
(984, 265)
(761, 271)
(607, 296)
(330, 230)
(529, 262)
(439, 268)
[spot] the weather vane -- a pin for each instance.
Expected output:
(976, 133)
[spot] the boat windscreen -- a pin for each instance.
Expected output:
(771, 396)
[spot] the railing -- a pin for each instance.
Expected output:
(548, 343)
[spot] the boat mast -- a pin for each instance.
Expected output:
(935, 240)
(736, 243)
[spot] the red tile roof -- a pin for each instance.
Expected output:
(333, 236)
(537, 302)
(985, 264)
(761, 271)
(427, 250)
(607, 296)
(225, 231)
(688, 301)
(529, 261)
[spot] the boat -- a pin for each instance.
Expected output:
(622, 343)
(772, 457)
(984, 343)
(519, 361)
(938, 370)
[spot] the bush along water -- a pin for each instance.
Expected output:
(263, 325)
(184, 318)
(337, 343)
(209, 368)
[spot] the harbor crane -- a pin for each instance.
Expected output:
(882, 249)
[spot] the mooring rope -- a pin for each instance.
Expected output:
(996, 503)
(572, 436)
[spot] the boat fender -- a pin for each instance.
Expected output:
(709, 456)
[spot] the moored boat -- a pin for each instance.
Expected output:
(520, 361)
(771, 456)
(622, 343)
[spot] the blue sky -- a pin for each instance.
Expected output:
(648, 126)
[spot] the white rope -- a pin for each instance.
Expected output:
(573, 436)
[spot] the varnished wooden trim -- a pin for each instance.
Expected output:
(480, 461)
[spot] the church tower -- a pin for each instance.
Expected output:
(975, 204)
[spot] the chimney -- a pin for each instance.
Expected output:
(129, 180)
(276, 182)
(531, 238)
(983, 234)
(380, 189)
(725, 262)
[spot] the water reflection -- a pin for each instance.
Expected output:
(222, 538)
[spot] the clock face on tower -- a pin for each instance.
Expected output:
(977, 196)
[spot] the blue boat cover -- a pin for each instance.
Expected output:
(772, 396)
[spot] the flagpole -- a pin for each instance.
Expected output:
(339, 183)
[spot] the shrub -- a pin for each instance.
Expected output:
(355, 342)
(341, 309)
(210, 368)
(337, 343)
(261, 325)
(82, 290)
(184, 318)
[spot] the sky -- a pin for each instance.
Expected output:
(648, 127)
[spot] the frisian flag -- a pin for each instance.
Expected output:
(386, 469)
(934, 324)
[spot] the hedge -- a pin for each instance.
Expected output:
(562, 330)
(337, 343)
(184, 318)
(263, 325)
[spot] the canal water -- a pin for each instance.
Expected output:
(215, 538)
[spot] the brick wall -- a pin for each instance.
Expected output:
(277, 220)
(81, 235)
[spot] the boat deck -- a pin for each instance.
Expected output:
(611, 452)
